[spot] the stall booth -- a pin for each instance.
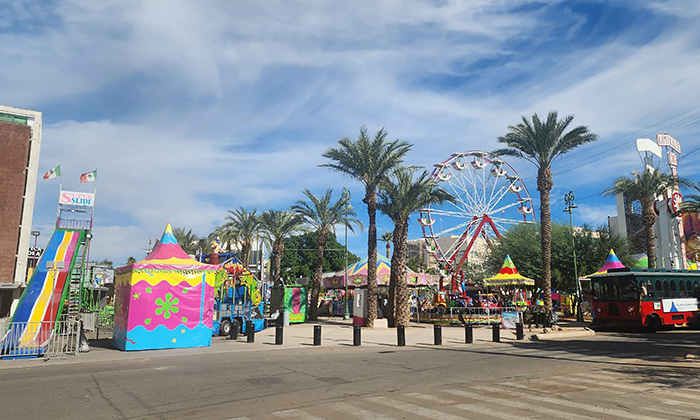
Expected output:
(290, 301)
(165, 300)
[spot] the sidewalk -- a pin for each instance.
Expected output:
(335, 333)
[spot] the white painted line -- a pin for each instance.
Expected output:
(295, 414)
(525, 393)
(551, 413)
(490, 411)
(413, 408)
(428, 397)
(354, 410)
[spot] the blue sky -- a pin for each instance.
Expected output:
(189, 109)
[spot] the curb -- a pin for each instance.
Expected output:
(563, 335)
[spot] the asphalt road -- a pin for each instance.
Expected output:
(632, 376)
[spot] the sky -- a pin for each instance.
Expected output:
(191, 109)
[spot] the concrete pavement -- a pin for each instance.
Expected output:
(335, 333)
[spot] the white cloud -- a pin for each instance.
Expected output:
(188, 110)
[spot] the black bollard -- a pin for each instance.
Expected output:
(401, 335)
(317, 335)
(437, 334)
(519, 334)
(496, 329)
(250, 331)
(468, 334)
(356, 332)
(233, 333)
(279, 334)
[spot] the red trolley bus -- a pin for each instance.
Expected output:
(640, 297)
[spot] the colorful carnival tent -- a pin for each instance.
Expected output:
(611, 262)
(357, 275)
(165, 300)
(508, 276)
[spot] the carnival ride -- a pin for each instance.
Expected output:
(489, 196)
(55, 290)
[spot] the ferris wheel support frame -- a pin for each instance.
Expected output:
(479, 230)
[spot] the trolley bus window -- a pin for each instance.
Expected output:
(681, 289)
(666, 291)
(597, 290)
(611, 291)
(628, 288)
(689, 287)
(658, 291)
(672, 284)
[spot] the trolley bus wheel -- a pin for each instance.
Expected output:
(225, 328)
(653, 323)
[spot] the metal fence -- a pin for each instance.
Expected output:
(470, 315)
(37, 339)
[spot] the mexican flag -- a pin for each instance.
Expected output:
(89, 176)
(53, 173)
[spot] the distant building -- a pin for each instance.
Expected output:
(20, 143)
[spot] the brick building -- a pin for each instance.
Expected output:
(20, 141)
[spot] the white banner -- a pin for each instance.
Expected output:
(679, 305)
(72, 198)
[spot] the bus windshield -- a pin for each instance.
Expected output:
(615, 288)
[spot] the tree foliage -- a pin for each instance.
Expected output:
(592, 248)
(299, 256)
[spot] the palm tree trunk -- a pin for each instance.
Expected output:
(648, 219)
(318, 274)
(245, 250)
(371, 201)
(388, 250)
(544, 186)
(402, 309)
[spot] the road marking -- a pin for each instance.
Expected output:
(295, 414)
(569, 403)
(489, 411)
(353, 410)
(523, 406)
(413, 408)
(428, 397)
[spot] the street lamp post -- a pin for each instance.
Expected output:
(570, 206)
(346, 315)
(35, 234)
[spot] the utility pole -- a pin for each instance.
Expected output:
(570, 206)
(346, 315)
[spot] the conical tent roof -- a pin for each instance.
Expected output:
(168, 255)
(508, 276)
(611, 262)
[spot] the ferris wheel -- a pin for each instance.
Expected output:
(489, 196)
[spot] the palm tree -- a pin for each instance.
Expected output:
(322, 215)
(240, 226)
(276, 226)
(371, 162)
(387, 237)
(540, 142)
(691, 202)
(187, 240)
(645, 187)
(398, 200)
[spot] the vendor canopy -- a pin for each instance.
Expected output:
(611, 262)
(357, 275)
(165, 300)
(168, 255)
(508, 276)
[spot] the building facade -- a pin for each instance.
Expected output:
(20, 143)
